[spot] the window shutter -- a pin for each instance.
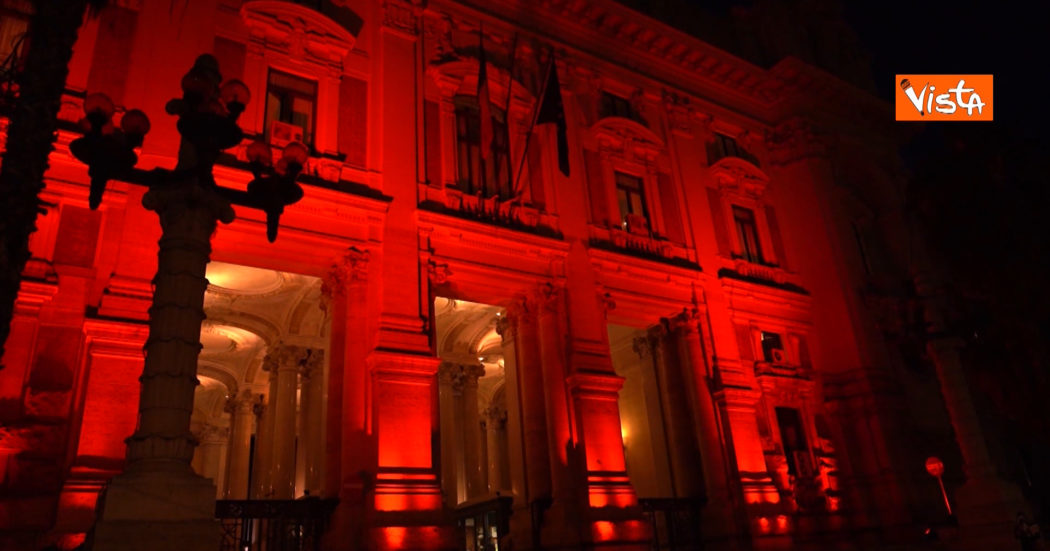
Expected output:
(596, 188)
(353, 119)
(774, 235)
(432, 120)
(714, 199)
(743, 341)
(672, 214)
(109, 65)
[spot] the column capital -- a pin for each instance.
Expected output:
(522, 309)
(285, 356)
(550, 297)
(450, 373)
(349, 268)
(686, 321)
(643, 346)
(312, 363)
(240, 403)
(473, 372)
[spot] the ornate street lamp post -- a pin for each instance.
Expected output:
(158, 502)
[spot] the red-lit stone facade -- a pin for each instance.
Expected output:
(688, 315)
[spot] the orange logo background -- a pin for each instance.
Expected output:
(942, 99)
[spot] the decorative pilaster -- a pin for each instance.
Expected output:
(496, 438)
(242, 417)
(288, 360)
(718, 512)
(475, 470)
(677, 415)
(262, 466)
(311, 437)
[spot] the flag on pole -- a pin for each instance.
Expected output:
(552, 110)
(484, 106)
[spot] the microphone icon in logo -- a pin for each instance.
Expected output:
(906, 86)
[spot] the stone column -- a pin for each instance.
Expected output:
(986, 503)
(520, 330)
(208, 457)
(450, 384)
(262, 465)
(157, 484)
(555, 399)
(718, 512)
(242, 417)
(675, 414)
(529, 459)
(496, 442)
(311, 437)
(282, 465)
(475, 470)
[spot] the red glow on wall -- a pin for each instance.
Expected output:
(604, 531)
(394, 536)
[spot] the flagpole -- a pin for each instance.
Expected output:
(532, 124)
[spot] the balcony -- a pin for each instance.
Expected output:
(510, 214)
(639, 242)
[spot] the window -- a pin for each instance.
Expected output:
(291, 106)
(489, 177)
(772, 348)
(747, 233)
(631, 197)
(793, 437)
(616, 106)
(727, 146)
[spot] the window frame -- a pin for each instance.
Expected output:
(742, 249)
(309, 137)
(466, 108)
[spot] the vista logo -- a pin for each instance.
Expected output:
(944, 98)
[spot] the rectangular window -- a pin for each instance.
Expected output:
(772, 348)
(631, 197)
(747, 233)
(616, 106)
(793, 437)
(291, 109)
(726, 146)
(491, 177)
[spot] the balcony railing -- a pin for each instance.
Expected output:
(273, 525)
(484, 522)
(675, 522)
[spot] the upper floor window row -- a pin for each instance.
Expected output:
(726, 146)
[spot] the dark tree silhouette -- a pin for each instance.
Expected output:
(31, 135)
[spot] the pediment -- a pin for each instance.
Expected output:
(736, 175)
(299, 31)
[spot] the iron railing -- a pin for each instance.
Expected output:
(675, 522)
(273, 525)
(484, 523)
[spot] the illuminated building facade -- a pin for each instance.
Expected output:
(690, 332)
